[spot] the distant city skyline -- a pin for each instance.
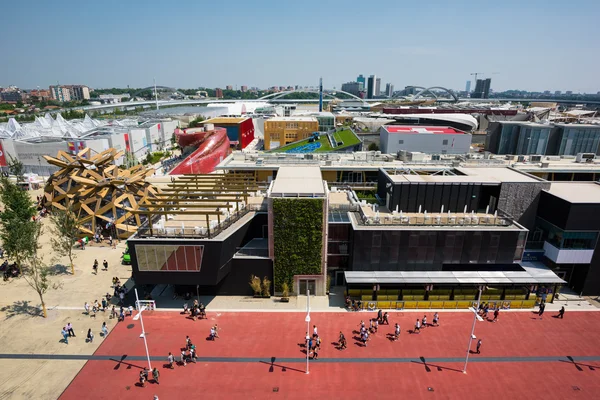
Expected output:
(133, 42)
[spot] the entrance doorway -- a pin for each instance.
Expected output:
(340, 278)
(309, 284)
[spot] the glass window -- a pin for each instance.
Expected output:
(168, 258)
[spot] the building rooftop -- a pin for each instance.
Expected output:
(417, 129)
(293, 119)
(298, 182)
(576, 192)
(494, 175)
(225, 120)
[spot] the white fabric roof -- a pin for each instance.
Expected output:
(49, 127)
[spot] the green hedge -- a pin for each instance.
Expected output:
(298, 238)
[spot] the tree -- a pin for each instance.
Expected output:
(196, 122)
(373, 147)
(36, 276)
(16, 168)
(19, 231)
(65, 232)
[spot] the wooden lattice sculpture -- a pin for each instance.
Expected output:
(100, 193)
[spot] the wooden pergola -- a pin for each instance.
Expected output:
(210, 196)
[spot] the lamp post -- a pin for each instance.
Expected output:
(307, 319)
(472, 336)
(143, 335)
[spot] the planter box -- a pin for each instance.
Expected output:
(285, 299)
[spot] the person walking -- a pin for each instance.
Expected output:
(70, 330)
(104, 330)
(95, 267)
(478, 346)
(342, 341)
(170, 360)
(105, 265)
(436, 319)
(113, 312)
(142, 378)
(397, 331)
(561, 312)
(496, 312)
(65, 335)
(424, 324)
(183, 358)
(86, 306)
(542, 308)
(315, 334)
(385, 319)
(155, 375)
(417, 327)
(90, 336)
(104, 304)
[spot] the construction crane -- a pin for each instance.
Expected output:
(475, 74)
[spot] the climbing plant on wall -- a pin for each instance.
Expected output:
(298, 238)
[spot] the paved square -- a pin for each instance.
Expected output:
(258, 356)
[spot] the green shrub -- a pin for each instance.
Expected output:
(298, 238)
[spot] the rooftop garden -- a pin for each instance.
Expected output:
(344, 136)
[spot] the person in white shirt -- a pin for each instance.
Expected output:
(87, 308)
(315, 334)
(397, 332)
(417, 327)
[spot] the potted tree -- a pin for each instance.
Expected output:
(266, 288)
(285, 296)
(255, 285)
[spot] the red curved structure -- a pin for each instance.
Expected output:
(213, 148)
(190, 136)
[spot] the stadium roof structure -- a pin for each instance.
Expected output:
(101, 194)
(56, 128)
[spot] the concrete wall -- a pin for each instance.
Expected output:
(167, 128)
(425, 143)
(154, 135)
(138, 142)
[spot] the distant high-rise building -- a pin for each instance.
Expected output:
(229, 87)
(378, 87)
(569, 92)
(361, 79)
(371, 82)
(218, 93)
(482, 89)
(546, 92)
(557, 93)
(389, 89)
(244, 88)
(468, 87)
(353, 87)
(69, 92)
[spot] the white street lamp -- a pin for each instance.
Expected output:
(307, 319)
(476, 317)
(143, 334)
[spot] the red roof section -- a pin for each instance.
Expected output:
(416, 129)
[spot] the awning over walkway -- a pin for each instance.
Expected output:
(533, 274)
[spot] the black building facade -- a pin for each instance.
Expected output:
(210, 263)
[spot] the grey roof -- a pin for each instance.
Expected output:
(533, 273)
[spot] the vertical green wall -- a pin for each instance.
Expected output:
(297, 238)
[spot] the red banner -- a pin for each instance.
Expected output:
(3, 162)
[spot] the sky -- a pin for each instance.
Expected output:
(528, 45)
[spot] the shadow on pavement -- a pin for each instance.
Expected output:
(22, 307)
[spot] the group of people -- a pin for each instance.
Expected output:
(95, 307)
(313, 344)
(104, 266)
(144, 375)
(421, 324)
(353, 305)
(197, 311)
(67, 332)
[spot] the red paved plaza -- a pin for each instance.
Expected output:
(520, 358)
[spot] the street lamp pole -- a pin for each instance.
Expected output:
(472, 336)
(307, 319)
(143, 335)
